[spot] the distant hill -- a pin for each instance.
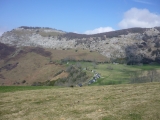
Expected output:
(115, 45)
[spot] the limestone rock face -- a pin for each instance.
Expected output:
(143, 42)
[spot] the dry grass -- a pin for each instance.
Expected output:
(47, 34)
(32, 68)
(20, 33)
(41, 32)
(119, 102)
(79, 55)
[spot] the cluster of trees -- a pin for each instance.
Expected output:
(67, 59)
(75, 76)
(144, 76)
(46, 83)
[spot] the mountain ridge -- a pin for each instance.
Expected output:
(113, 45)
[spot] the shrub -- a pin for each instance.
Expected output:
(23, 81)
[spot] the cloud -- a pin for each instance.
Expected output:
(75, 32)
(99, 30)
(143, 2)
(139, 18)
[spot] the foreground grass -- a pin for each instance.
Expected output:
(118, 102)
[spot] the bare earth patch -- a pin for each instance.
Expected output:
(118, 102)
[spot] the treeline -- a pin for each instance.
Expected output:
(111, 34)
(76, 76)
(27, 27)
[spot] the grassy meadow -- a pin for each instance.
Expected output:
(110, 98)
(112, 74)
(111, 102)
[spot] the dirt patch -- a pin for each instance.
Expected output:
(1, 76)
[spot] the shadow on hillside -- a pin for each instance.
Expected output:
(133, 56)
(5, 50)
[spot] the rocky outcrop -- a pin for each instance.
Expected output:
(127, 43)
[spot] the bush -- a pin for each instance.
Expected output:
(23, 81)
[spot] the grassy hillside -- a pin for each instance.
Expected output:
(78, 54)
(27, 65)
(118, 102)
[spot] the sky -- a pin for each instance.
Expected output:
(79, 16)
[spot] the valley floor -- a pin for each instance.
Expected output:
(112, 102)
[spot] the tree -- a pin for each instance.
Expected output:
(78, 65)
(94, 65)
(152, 74)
